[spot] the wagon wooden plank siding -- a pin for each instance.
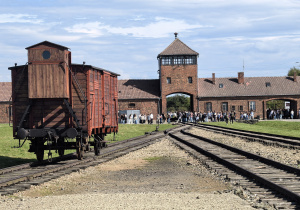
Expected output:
(54, 100)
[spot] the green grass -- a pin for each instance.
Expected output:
(10, 156)
(274, 127)
(151, 159)
(127, 131)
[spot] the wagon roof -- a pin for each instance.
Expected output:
(97, 68)
(47, 43)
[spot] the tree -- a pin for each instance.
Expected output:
(292, 70)
(178, 102)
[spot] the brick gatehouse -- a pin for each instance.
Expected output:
(178, 67)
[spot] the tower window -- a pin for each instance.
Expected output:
(168, 80)
(166, 61)
(190, 60)
(178, 60)
(190, 79)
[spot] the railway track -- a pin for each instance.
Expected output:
(22, 177)
(268, 139)
(273, 183)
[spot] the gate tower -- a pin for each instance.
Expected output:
(178, 73)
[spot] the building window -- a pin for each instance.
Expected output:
(252, 106)
(190, 60)
(232, 108)
(168, 80)
(221, 85)
(190, 79)
(241, 108)
(178, 60)
(166, 61)
(268, 84)
(131, 105)
(225, 106)
(208, 106)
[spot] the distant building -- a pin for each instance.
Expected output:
(5, 102)
(178, 67)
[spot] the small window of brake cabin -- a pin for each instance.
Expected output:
(168, 80)
(190, 79)
(131, 105)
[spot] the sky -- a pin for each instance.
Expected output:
(259, 37)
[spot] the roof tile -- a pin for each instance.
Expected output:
(177, 47)
(253, 86)
(139, 89)
(5, 91)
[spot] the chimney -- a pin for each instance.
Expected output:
(175, 35)
(213, 80)
(241, 79)
(295, 76)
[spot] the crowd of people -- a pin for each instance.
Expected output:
(279, 114)
(210, 116)
(184, 116)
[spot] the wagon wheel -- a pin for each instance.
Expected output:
(79, 149)
(39, 151)
(97, 147)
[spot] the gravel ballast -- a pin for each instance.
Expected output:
(160, 176)
(283, 155)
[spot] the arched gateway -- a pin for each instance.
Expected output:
(178, 72)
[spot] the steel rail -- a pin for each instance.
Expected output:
(291, 195)
(114, 148)
(271, 137)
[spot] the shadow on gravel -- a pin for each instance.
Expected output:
(9, 161)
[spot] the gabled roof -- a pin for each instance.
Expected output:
(5, 91)
(48, 44)
(139, 89)
(253, 86)
(177, 47)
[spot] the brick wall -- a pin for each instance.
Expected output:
(179, 75)
(145, 106)
(260, 104)
(4, 112)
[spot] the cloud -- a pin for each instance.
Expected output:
(92, 29)
(19, 18)
(161, 28)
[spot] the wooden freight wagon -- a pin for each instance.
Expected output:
(55, 101)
